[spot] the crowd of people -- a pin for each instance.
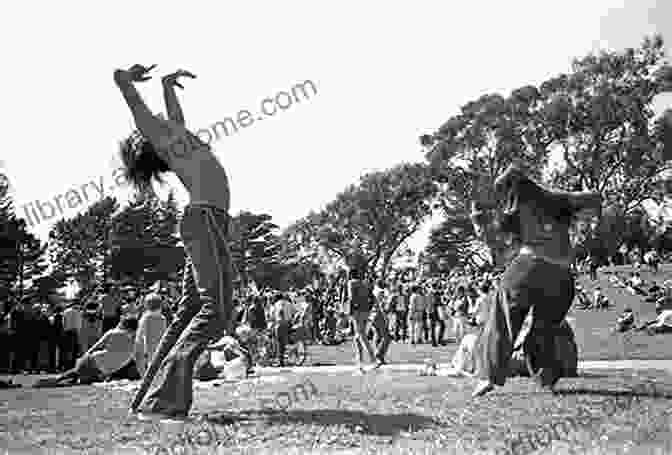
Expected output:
(49, 336)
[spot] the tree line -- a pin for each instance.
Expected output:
(593, 128)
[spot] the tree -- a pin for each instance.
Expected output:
(254, 246)
(15, 248)
(601, 116)
(78, 247)
(598, 118)
(144, 243)
(367, 223)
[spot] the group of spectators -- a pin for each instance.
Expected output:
(49, 337)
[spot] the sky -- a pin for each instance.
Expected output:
(384, 74)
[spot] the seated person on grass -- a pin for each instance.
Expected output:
(662, 324)
(635, 283)
(114, 351)
(626, 321)
(218, 359)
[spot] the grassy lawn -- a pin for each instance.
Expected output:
(606, 411)
(398, 412)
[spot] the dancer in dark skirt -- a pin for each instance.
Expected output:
(538, 277)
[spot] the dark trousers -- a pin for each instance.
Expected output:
(205, 313)
(281, 333)
(110, 322)
(401, 325)
(70, 351)
(52, 348)
(6, 351)
(436, 323)
(528, 284)
(381, 337)
(23, 351)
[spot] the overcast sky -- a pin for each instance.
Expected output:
(384, 74)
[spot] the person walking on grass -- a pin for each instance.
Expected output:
(165, 145)
(359, 297)
(380, 323)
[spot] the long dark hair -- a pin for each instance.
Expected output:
(142, 163)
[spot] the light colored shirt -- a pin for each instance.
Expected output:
(72, 319)
(664, 318)
(113, 351)
(282, 311)
(151, 326)
(464, 359)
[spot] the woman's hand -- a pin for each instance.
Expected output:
(171, 79)
(136, 73)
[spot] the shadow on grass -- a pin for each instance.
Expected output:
(368, 423)
(616, 393)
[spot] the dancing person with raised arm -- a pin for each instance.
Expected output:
(204, 314)
(538, 278)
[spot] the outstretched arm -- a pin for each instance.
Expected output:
(173, 107)
(150, 126)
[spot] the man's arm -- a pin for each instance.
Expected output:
(173, 107)
(150, 127)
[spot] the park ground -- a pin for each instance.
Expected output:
(393, 410)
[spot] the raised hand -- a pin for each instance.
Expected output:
(136, 73)
(172, 79)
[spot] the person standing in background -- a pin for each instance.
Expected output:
(72, 324)
(42, 333)
(56, 339)
(6, 347)
(401, 308)
(378, 318)
(151, 327)
(436, 324)
(110, 307)
(416, 314)
(91, 327)
(359, 301)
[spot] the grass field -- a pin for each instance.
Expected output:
(386, 412)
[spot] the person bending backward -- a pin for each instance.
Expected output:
(159, 146)
(538, 277)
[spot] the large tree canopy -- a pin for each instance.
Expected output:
(367, 223)
(592, 129)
